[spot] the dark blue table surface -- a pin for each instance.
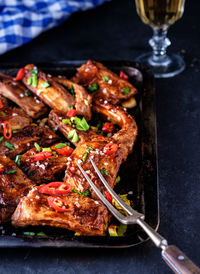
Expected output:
(114, 32)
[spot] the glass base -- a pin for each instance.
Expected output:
(169, 66)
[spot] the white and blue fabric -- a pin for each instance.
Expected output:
(23, 20)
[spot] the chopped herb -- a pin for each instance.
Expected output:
(126, 90)
(1, 138)
(27, 93)
(121, 229)
(66, 122)
(112, 230)
(45, 84)
(37, 146)
(99, 125)
(11, 171)
(88, 149)
(3, 113)
(29, 233)
(104, 171)
(94, 87)
(84, 157)
(9, 145)
(85, 193)
(29, 81)
(72, 106)
(73, 135)
(71, 90)
(41, 234)
(34, 72)
(95, 129)
(34, 81)
(60, 145)
(46, 149)
(15, 130)
(17, 159)
(54, 153)
(81, 124)
(105, 78)
(86, 102)
(117, 179)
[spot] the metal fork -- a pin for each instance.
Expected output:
(175, 258)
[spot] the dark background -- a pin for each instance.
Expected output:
(114, 32)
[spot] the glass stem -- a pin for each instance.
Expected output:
(159, 43)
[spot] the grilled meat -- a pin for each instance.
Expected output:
(83, 100)
(94, 147)
(16, 116)
(88, 217)
(53, 94)
(42, 171)
(18, 93)
(25, 139)
(55, 122)
(110, 86)
(13, 186)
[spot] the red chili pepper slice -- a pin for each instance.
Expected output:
(71, 113)
(56, 188)
(40, 156)
(123, 75)
(65, 151)
(1, 104)
(110, 149)
(20, 74)
(1, 168)
(59, 204)
(7, 130)
(108, 128)
(109, 197)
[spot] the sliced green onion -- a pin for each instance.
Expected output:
(11, 171)
(9, 145)
(105, 78)
(94, 87)
(29, 81)
(15, 130)
(126, 90)
(71, 90)
(60, 145)
(27, 93)
(34, 72)
(88, 149)
(72, 106)
(104, 171)
(41, 234)
(84, 157)
(85, 193)
(117, 179)
(112, 230)
(73, 135)
(45, 84)
(46, 149)
(3, 113)
(29, 233)
(86, 102)
(81, 124)
(17, 159)
(34, 81)
(1, 138)
(37, 146)
(121, 230)
(66, 122)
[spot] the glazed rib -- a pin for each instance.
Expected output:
(83, 100)
(43, 170)
(55, 96)
(112, 89)
(18, 93)
(88, 217)
(25, 139)
(12, 187)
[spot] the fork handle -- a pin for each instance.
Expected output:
(178, 261)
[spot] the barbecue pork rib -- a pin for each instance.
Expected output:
(83, 100)
(42, 171)
(18, 93)
(88, 217)
(109, 85)
(94, 147)
(25, 139)
(13, 186)
(49, 91)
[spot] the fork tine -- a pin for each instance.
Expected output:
(114, 211)
(127, 208)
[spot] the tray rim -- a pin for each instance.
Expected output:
(23, 242)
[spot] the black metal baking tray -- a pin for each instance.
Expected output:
(138, 174)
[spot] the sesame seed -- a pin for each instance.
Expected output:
(21, 95)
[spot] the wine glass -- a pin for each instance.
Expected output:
(160, 14)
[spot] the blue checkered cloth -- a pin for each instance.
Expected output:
(22, 20)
